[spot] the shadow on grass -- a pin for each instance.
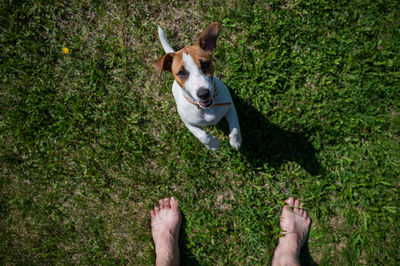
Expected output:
(264, 142)
(187, 258)
(305, 256)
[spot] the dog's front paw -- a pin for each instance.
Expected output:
(212, 144)
(235, 139)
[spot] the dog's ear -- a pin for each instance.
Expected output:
(207, 40)
(164, 63)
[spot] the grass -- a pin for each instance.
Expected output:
(90, 140)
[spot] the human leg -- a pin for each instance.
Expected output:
(295, 224)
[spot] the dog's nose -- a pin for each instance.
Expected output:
(203, 93)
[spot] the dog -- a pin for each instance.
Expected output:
(201, 99)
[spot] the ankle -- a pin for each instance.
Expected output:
(166, 247)
(284, 259)
(167, 256)
(288, 246)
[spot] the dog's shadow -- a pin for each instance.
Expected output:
(265, 142)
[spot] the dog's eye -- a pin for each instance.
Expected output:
(182, 73)
(204, 65)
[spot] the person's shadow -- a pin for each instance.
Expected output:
(186, 256)
(305, 256)
(265, 142)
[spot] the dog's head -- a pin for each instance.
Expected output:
(192, 66)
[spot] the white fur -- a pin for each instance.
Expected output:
(195, 118)
(196, 79)
(164, 42)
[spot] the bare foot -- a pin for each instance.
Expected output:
(295, 224)
(165, 223)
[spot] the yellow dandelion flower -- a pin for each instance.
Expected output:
(65, 50)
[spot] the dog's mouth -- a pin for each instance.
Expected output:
(206, 103)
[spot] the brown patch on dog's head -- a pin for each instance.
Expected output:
(200, 52)
(201, 58)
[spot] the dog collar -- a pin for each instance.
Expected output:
(190, 99)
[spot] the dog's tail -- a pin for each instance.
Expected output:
(164, 42)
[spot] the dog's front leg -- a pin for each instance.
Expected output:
(235, 139)
(210, 142)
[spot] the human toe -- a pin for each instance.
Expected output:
(290, 201)
(156, 209)
(297, 208)
(167, 203)
(161, 203)
(297, 203)
(174, 203)
(301, 209)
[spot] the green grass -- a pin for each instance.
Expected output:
(90, 140)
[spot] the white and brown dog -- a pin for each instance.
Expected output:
(201, 98)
